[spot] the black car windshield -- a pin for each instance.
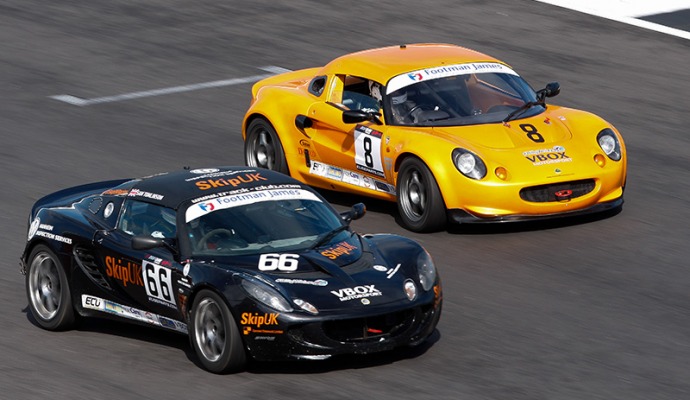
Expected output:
(461, 94)
(257, 222)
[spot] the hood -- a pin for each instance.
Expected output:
(346, 274)
(521, 133)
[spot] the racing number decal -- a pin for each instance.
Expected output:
(368, 150)
(158, 282)
(280, 262)
(532, 133)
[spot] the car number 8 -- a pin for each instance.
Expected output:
(280, 262)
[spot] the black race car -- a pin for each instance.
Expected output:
(246, 261)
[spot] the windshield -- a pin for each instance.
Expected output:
(462, 94)
(257, 222)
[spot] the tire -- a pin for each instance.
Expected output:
(48, 292)
(214, 334)
(262, 148)
(420, 203)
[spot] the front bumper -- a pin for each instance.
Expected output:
(459, 216)
(322, 337)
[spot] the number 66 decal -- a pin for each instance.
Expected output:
(280, 262)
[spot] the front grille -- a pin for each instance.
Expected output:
(547, 193)
(369, 328)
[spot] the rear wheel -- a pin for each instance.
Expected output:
(262, 147)
(420, 202)
(48, 291)
(214, 334)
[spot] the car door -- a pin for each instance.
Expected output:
(347, 151)
(143, 279)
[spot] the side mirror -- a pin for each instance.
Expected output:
(144, 242)
(356, 212)
(552, 89)
(357, 116)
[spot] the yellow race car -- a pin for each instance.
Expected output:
(450, 134)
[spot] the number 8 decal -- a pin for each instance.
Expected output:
(532, 133)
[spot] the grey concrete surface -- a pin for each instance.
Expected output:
(591, 309)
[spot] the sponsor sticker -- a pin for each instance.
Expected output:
(556, 154)
(33, 228)
(126, 272)
(111, 307)
(235, 200)
(338, 250)
(234, 182)
(444, 71)
(317, 282)
(357, 292)
(200, 171)
(148, 195)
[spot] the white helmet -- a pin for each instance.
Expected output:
(375, 90)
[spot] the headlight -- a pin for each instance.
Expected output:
(608, 141)
(265, 294)
(468, 163)
(427, 271)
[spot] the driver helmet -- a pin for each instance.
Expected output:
(399, 98)
(375, 91)
(168, 216)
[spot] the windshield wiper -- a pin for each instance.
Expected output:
(324, 238)
(523, 108)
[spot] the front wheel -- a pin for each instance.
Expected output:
(215, 336)
(420, 202)
(262, 147)
(48, 291)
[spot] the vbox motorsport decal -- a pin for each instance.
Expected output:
(356, 292)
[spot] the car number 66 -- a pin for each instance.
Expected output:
(158, 282)
(280, 262)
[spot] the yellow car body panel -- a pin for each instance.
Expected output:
(556, 146)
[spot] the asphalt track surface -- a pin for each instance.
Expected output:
(581, 309)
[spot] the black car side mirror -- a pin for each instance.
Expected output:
(145, 242)
(356, 212)
(356, 116)
(552, 89)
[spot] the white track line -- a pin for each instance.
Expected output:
(617, 15)
(76, 101)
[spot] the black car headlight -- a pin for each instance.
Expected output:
(468, 163)
(427, 271)
(609, 143)
(265, 294)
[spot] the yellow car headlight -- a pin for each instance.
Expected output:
(468, 163)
